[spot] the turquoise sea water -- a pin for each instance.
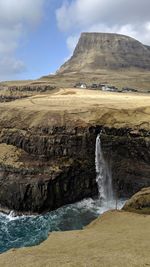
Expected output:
(24, 231)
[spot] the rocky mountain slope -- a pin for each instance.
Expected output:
(99, 58)
(96, 51)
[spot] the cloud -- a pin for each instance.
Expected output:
(16, 19)
(119, 16)
(10, 66)
(72, 41)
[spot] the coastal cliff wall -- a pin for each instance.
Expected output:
(56, 165)
(55, 168)
(47, 147)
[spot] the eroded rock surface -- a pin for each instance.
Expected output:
(128, 154)
(96, 51)
(56, 166)
(47, 151)
(140, 202)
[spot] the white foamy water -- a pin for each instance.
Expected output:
(21, 231)
(104, 179)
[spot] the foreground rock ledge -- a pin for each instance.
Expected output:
(140, 202)
(115, 239)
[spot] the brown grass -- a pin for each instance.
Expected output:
(10, 156)
(137, 79)
(117, 239)
(79, 107)
(69, 93)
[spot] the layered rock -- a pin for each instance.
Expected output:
(53, 169)
(128, 154)
(56, 166)
(97, 51)
(10, 93)
(47, 151)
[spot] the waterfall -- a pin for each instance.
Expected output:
(103, 175)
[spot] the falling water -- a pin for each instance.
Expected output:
(103, 175)
(31, 230)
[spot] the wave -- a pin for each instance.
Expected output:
(22, 231)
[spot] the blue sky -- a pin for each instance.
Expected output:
(45, 47)
(37, 36)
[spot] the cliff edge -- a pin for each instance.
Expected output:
(47, 147)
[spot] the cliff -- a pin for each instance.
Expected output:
(98, 51)
(47, 151)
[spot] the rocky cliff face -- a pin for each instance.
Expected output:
(96, 51)
(53, 168)
(11, 93)
(127, 152)
(56, 166)
(47, 147)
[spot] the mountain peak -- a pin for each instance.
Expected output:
(96, 51)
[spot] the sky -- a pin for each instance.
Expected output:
(37, 36)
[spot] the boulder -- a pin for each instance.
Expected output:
(140, 202)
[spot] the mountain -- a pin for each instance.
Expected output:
(96, 51)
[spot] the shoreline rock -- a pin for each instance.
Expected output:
(140, 202)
